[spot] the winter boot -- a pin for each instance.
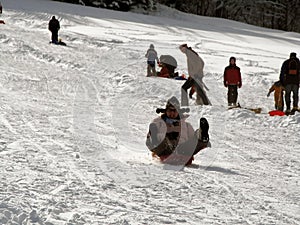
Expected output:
(204, 127)
(295, 109)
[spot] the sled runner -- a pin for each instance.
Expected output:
(174, 159)
(255, 110)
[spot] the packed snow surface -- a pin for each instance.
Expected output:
(74, 119)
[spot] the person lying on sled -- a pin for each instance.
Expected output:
(171, 135)
(164, 71)
(168, 65)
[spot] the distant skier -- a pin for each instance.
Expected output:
(278, 89)
(151, 56)
(170, 133)
(54, 27)
(195, 66)
(290, 78)
(232, 81)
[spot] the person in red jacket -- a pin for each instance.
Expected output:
(232, 81)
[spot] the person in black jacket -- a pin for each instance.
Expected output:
(290, 78)
(54, 27)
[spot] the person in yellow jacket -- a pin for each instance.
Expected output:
(278, 89)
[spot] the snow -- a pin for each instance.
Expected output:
(73, 121)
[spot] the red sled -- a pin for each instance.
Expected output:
(276, 113)
(175, 159)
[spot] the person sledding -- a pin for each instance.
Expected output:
(174, 140)
(168, 65)
(278, 90)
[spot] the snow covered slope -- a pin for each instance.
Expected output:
(73, 121)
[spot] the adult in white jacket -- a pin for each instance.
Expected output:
(195, 70)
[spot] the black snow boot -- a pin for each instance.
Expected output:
(204, 127)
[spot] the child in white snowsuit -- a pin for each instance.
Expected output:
(151, 56)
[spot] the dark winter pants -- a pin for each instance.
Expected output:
(184, 96)
(54, 37)
(232, 94)
(288, 89)
(151, 68)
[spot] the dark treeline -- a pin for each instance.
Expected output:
(121, 5)
(275, 14)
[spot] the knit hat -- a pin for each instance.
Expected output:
(293, 55)
(183, 46)
(173, 103)
(151, 46)
(232, 57)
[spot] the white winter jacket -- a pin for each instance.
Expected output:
(195, 65)
(151, 55)
(185, 129)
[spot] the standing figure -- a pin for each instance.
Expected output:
(278, 89)
(290, 78)
(195, 70)
(232, 81)
(54, 27)
(151, 56)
